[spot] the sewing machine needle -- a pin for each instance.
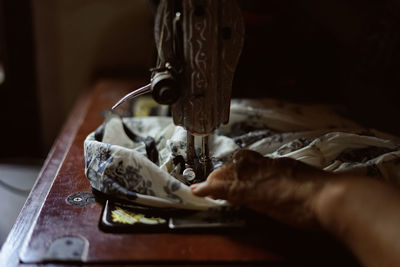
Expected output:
(138, 92)
(205, 157)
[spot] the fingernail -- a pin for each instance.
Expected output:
(193, 187)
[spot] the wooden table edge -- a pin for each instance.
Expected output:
(29, 213)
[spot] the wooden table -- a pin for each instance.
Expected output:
(47, 217)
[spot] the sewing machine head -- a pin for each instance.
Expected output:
(198, 44)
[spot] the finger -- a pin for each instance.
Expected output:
(199, 189)
(216, 189)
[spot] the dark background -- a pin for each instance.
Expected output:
(19, 106)
(345, 53)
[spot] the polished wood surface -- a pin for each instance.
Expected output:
(47, 216)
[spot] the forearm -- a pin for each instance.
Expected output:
(365, 215)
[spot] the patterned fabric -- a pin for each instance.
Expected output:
(140, 159)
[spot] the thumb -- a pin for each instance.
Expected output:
(215, 189)
(200, 189)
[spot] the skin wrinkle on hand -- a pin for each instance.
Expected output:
(277, 187)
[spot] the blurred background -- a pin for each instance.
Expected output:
(50, 52)
(339, 52)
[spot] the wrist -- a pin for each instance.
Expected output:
(329, 202)
(363, 214)
(341, 203)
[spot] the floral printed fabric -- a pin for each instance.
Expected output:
(139, 159)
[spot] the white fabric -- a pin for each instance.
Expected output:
(313, 134)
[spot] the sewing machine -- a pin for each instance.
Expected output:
(198, 48)
(199, 45)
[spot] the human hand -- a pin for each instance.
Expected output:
(360, 212)
(282, 188)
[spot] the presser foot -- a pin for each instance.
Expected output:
(198, 167)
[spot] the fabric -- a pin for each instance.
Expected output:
(140, 159)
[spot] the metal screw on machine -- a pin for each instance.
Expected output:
(189, 175)
(80, 199)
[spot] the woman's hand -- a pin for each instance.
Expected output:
(283, 188)
(361, 212)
